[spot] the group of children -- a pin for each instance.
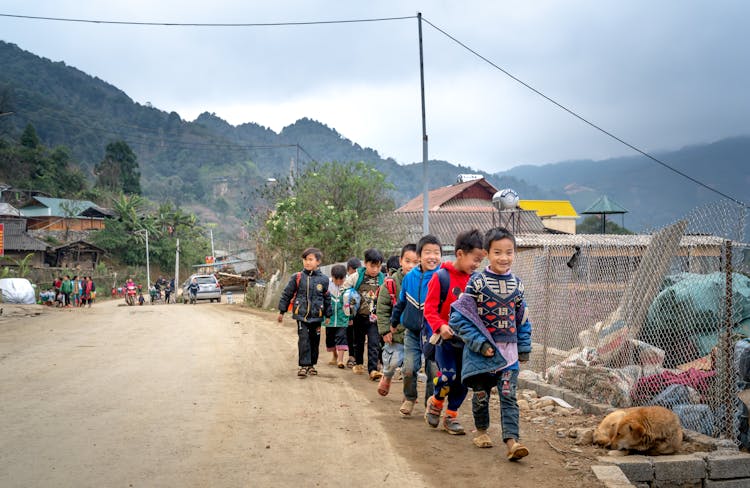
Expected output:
(71, 292)
(470, 327)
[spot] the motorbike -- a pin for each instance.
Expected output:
(130, 292)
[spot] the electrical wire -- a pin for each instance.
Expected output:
(583, 119)
(210, 24)
(385, 19)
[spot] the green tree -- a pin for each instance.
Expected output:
(593, 225)
(119, 170)
(341, 208)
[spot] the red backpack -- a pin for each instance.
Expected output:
(390, 285)
(291, 302)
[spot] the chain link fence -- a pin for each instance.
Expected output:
(656, 319)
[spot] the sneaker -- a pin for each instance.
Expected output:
(406, 408)
(452, 425)
(312, 371)
(375, 375)
(517, 451)
(302, 373)
(432, 412)
(358, 369)
(482, 440)
(351, 362)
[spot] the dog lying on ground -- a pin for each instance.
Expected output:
(604, 433)
(649, 430)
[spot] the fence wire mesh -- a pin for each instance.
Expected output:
(656, 319)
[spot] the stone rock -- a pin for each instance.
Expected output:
(585, 437)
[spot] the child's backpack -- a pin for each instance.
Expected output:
(294, 297)
(390, 285)
(351, 301)
(444, 278)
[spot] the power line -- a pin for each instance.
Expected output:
(200, 24)
(583, 119)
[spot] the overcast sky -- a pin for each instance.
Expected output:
(659, 74)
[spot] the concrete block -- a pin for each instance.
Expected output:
(677, 484)
(741, 483)
(679, 467)
(611, 476)
(636, 468)
(727, 465)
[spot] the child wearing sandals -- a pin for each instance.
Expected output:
(393, 348)
(491, 318)
(307, 292)
(441, 293)
(338, 321)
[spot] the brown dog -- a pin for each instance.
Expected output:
(604, 433)
(650, 430)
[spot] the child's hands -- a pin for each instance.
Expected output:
(523, 357)
(487, 350)
(388, 338)
(445, 332)
(280, 318)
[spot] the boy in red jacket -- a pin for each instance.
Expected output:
(444, 288)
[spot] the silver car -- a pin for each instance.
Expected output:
(208, 287)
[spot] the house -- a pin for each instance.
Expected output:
(44, 213)
(75, 255)
(555, 214)
(462, 206)
(17, 243)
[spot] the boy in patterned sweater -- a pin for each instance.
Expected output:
(491, 318)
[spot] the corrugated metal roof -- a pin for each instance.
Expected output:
(8, 210)
(447, 225)
(438, 197)
(15, 237)
(56, 207)
(608, 240)
(543, 208)
(605, 206)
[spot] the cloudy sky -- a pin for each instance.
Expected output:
(658, 74)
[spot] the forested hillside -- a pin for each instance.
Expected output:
(209, 162)
(654, 195)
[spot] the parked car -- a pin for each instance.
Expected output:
(208, 287)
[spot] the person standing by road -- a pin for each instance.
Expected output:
(307, 292)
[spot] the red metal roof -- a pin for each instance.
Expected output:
(475, 191)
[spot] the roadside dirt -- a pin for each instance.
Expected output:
(207, 395)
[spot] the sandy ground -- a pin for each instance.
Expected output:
(207, 395)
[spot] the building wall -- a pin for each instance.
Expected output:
(56, 223)
(562, 224)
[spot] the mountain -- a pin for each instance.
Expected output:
(182, 161)
(211, 164)
(653, 194)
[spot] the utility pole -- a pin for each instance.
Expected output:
(212, 243)
(176, 270)
(425, 196)
(148, 269)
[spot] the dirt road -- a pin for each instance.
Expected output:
(206, 395)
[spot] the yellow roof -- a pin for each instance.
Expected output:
(549, 208)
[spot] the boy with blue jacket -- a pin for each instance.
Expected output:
(409, 312)
(491, 318)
